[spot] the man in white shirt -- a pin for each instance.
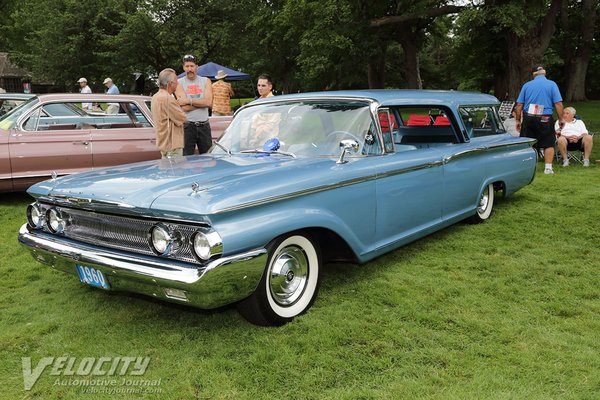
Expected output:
(111, 88)
(85, 89)
(573, 136)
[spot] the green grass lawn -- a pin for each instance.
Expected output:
(506, 309)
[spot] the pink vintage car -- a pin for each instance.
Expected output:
(52, 133)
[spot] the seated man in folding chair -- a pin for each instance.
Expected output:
(573, 136)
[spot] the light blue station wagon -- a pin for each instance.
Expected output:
(295, 182)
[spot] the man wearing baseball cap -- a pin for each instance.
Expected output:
(536, 101)
(85, 89)
(111, 88)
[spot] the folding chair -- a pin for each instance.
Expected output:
(575, 151)
(506, 109)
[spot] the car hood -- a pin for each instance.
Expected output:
(194, 185)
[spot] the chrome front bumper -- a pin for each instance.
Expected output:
(220, 282)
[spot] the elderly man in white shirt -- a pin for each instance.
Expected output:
(573, 136)
(85, 89)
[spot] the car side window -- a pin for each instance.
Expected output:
(480, 120)
(118, 115)
(389, 127)
(32, 122)
(425, 126)
(63, 110)
(56, 116)
(141, 121)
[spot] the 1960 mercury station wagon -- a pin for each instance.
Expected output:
(295, 182)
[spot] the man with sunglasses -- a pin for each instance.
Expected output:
(194, 94)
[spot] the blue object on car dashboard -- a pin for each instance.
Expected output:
(348, 178)
(272, 144)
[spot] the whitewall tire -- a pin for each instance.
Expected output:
(485, 205)
(290, 283)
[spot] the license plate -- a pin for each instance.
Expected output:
(91, 276)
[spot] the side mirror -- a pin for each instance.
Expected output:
(348, 146)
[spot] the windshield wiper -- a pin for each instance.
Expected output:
(223, 148)
(260, 151)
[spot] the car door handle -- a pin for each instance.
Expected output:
(83, 143)
(152, 140)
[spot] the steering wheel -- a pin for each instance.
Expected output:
(342, 135)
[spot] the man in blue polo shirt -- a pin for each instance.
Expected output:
(536, 101)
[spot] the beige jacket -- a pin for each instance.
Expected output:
(168, 121)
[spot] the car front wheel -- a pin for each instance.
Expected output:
(289, 285)
(485, 206)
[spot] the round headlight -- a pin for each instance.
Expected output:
(206, 244)
(35, 216)
(164, 241)
(201, 246)
(55, 220)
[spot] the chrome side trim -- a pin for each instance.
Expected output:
(323, 188)
(521, 142)
(410, 169)
(486, 148)
(463, 153)
(220, 282)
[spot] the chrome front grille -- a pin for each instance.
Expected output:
(122, 233)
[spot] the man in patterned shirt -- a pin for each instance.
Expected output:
(222, 92)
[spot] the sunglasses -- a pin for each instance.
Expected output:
(189, 57)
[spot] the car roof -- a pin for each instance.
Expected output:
(16, 96)
(101, 97)
(400, 97)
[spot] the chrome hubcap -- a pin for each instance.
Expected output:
(483, 202)
(288, 275)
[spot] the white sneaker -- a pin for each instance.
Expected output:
(586, 163)
(566, 163)
(548, 171)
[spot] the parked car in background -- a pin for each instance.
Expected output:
(8, 101)
(51, 133)
(296, 181)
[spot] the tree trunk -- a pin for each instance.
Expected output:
(409, 43)
(528, 50)
(578, 65)
(376, 70)
(501, 87)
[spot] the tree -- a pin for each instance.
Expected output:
(411, 20)
(578, 23)
(507, 37)
(61, 40)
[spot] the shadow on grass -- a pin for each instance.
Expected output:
(14, 198)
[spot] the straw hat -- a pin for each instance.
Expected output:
(220, 75)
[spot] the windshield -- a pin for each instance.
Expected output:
(9, 120)
(302, 128)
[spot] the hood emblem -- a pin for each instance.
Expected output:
(196, 188)
(77, 200)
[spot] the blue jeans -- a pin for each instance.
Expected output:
(196, 134)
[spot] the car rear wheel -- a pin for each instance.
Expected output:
(289, 285)
(486, 204)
